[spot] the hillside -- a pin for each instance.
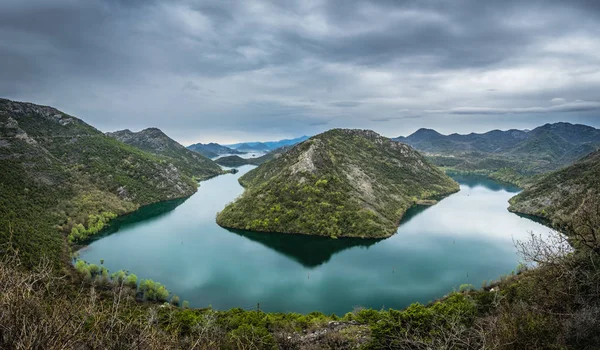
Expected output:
(212, 150)
(61, 177)
(560, 195)
(236, 161)
(512, 155)
(352, 183)
(154, 141)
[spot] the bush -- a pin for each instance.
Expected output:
(153, 291)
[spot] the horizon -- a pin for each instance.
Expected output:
(262, 70)
(406, 135)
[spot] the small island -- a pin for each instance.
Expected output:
(341, 183)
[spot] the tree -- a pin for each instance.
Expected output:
(131, 281)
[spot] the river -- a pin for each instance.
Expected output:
(466, 238)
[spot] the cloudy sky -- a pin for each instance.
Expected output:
(229, 71)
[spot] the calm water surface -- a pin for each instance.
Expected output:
(465, 238)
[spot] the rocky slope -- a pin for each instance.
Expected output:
(59, 172)
(562, 194)
(352, 183)
(153, 140)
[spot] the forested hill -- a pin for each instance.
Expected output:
(561, 195)
(155, 141)
(513, 152)
(61, 177)
(339, 183)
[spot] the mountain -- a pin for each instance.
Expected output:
(512, 155)
(236, 161)
(267, 146)
(352, 183)
(561, 195)
(154, 141)
(212, 150)
(431, 141)
(62, 177)
(285, 142)
(248, 147)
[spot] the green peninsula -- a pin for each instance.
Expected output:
(341, 183)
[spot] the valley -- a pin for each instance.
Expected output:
(346, 222)
(299, 175)
(435, 250)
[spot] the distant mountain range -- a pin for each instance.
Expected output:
(266, 146)
(236, 161)
(543, 149)
(212, 150)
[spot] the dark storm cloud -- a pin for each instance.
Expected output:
(227, 70)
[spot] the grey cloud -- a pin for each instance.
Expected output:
(575, 106)
(345, 103)
(295, 67)
(387, 119)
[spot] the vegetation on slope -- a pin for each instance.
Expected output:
(560, 195)
(352, 183)
(154, 141)
(59, 173)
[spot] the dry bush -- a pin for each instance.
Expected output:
(42, 309)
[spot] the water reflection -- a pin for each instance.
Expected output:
(145, 214)
(310, 251)
(472, 181)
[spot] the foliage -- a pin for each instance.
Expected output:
(95, 224)
(153, 291)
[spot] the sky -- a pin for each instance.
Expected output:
(226, 71)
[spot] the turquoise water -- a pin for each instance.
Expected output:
(465, 238)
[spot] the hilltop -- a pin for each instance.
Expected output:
(563, 194)
(63, 178)
(352, 183)
(155, 141)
